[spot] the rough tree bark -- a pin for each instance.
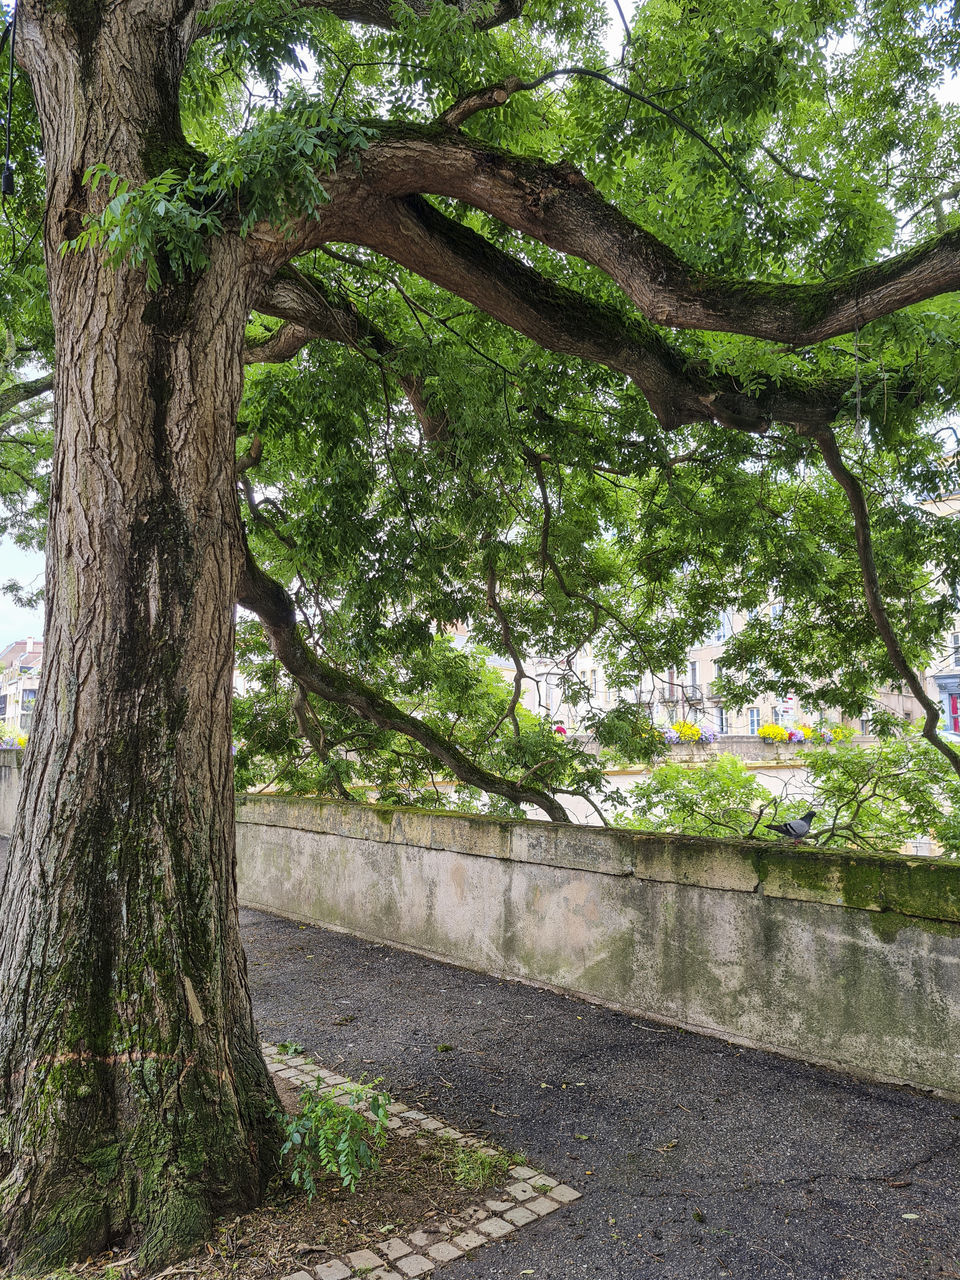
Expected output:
(134, 1101)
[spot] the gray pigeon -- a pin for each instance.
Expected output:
(796, 829)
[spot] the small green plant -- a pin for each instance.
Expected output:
(290, 1046)
(475, 1169)
(334, 1137)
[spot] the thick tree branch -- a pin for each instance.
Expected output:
(677, 389)
(311, 312)
(270, 602)
(494, 95)
(12, 396)
(280, 346)
(376, 13)
(556, 205)
(827, 444)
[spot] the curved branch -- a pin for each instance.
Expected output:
(555, 204)
(280, 346)
(311, 312)
(496, 95)
(678, 389)
(373, 13)
(827, 444)
(270, 602)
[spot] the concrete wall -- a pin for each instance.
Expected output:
(848, 960)
(9, 790)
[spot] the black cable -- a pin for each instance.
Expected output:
(6, 182)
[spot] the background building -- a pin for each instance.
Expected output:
(19, 679)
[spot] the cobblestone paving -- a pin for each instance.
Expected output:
(529, 1196)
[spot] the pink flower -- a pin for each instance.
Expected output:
(560, 729)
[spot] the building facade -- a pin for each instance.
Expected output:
(20, 664)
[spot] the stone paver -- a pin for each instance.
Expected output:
(520, 1216)
(469, 1240)
(364, 1259)
(415, 1265)
(444, 1251)
(334, 1270)
(476, 1213)
(496, 1227)
(563, 1193)
(394, 1248)
(542, 1206)
(521, 1191)
(425, 1236)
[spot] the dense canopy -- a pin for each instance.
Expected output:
(574, 304)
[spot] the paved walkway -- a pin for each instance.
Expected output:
(696, 1158)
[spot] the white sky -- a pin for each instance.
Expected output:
(27, 568)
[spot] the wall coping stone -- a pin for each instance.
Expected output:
(926, 889)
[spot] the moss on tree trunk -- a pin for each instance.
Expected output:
(135, 1102)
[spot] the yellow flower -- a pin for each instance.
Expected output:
(772, 733)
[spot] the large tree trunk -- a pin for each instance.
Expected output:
(135, 1101)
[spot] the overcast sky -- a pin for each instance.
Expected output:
(27, 568)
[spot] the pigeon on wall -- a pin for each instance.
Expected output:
(796, 829)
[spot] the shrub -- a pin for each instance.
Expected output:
(334, 1137)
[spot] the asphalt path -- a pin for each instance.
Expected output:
(696, 1158)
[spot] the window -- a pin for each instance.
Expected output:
(864, 725)
(723, 721)
(723, 629)
(672, 683)
(3, 706)
(593, 680)
(26, 708)
(955, 648)
(693, 675)
(777, 716)
(776, 610)
(754, 714)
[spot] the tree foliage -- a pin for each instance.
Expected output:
(548, 460)
(876, 797)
